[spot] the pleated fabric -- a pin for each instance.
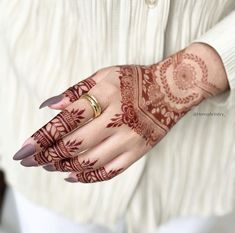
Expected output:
(48, 45)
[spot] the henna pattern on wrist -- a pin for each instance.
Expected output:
(97, 175)
(154, 98)
(63, 123)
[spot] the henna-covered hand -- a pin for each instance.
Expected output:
(140, 105)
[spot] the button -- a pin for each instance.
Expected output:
(151, 3)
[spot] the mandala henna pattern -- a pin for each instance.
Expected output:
(154, 98)
(97, 175)
(63, 123)
(58, 151)
(73, 164)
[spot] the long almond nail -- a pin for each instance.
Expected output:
(25, 151)
(70, 180)
(53, 100)
(50, 168)
(29, 162)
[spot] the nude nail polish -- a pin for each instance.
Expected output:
(70, 180)
(53, 100)
(49, 167)
(29, 162)
(25, 151)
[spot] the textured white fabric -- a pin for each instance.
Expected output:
(19, 215)
(46, 46)
(217, 37)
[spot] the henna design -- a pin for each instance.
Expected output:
(97, 175)
(154, 98)
(66, 120)
(116, 121)
(178, 64)
(185, 76)
(73, 164)
(131, 114)
(59, 150)
(74, 92)
(63, 123)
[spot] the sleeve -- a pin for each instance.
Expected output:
(222, 38)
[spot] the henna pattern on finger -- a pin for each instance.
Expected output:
(154, 98)
(59, 150)
(97, 175)
(66, 120)
(63, 123)
(73, 164)
(75, 92)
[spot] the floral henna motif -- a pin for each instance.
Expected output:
(59, 150)
(74, 92)
(116, 121)
(73, 164)
(185, 76)
(97, 175)
(154, 98)
(63, 123)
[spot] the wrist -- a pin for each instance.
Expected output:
(190, 76)
(216, 73)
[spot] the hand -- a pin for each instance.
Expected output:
(139, 106)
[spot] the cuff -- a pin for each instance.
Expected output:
(222, 38)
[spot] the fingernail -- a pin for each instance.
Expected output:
(71, 179)
(53, 100)
(49, 168)
(29, 162)
(25, 151)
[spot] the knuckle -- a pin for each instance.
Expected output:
(103, 73)
(105, 88)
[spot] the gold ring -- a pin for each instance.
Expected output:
(94, 103)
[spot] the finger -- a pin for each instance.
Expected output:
(92, 159)
(68, 120)
(76, 142)
(107, 172)
(73, 93)
(69, 96)
(74, 116)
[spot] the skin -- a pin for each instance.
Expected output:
(140, 104)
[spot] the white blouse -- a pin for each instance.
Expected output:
(46, 46)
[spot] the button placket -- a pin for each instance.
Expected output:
(151, 3)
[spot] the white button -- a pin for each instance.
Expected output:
(151, 3)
